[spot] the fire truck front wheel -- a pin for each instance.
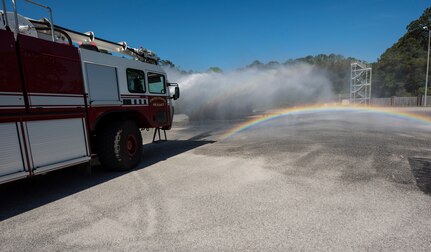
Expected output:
(120, 146)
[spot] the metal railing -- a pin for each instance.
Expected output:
(15, 12)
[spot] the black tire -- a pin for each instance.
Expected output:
(120, 146)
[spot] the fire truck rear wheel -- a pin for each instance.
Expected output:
(120, 146)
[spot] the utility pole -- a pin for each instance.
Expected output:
(428, 65)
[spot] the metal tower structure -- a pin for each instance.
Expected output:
(360, 83)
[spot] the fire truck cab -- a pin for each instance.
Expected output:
(67, 96)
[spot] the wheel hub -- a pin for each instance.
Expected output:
(131, 145)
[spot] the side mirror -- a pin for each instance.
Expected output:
(177, 93)
(177, 90)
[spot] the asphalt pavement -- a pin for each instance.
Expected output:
(309, 182)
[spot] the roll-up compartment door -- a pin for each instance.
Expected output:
(11, 153)
(54, 142)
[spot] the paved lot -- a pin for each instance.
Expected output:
(332, 181)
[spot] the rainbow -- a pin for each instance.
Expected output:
(324, 108)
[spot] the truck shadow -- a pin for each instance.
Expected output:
(24, 195)
(154, 153)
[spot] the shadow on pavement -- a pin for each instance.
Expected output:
(24, 195)
(154, 153)
(421, 169)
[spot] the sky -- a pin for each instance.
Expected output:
(198, 34)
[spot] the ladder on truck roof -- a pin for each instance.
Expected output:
(89, 39)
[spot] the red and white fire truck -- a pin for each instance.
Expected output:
(67, 96)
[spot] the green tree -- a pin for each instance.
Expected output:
(255, 63)
(215, 70)
(168, 63)
(400, 70)
(336, 67)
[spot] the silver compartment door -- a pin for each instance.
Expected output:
(11, 157)
(102, 84)
(56, 141)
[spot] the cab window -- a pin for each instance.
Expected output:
(156, 83)
(135, 81)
